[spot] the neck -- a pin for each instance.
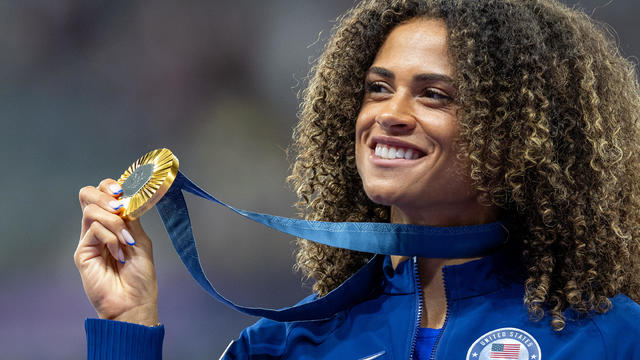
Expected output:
(430, 269)
(446, 215)
(444, 218)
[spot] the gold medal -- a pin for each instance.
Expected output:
(146, 181)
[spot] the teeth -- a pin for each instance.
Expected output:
(409, 154)
(392, 152)
(384, 152)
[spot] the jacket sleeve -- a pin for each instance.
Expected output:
(107, 339)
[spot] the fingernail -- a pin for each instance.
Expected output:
(121, 256)
(128, 238)
(116, 205)
(115, 189)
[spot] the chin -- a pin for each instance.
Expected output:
(387, 197)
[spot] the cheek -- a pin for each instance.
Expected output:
(364, 123)
(362, 130)
(367, 115)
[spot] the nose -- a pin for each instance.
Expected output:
(396, 116)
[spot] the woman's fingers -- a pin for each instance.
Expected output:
(141, 238)
(107, 218)
(91, 195)
(101, 204)
(111, 187)
(94, 241)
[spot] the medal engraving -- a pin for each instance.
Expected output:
(138, 178)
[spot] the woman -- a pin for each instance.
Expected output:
(442, 113)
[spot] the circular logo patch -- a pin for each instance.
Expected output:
(505, 343)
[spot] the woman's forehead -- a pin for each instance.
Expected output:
(416, 46)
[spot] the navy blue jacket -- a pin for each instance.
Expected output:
(485, 319)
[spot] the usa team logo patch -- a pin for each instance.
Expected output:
(505, 343)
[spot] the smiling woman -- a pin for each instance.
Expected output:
(408, 108)
(443, 113)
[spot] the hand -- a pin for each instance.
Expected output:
(115, 259)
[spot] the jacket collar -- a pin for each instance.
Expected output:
(488, 274)
(496, 270)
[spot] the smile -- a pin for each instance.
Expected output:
(388, 152)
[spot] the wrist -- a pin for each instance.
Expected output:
(141, 315)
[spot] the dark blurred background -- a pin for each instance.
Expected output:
(86, 87)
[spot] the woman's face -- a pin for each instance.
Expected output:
(407, 128)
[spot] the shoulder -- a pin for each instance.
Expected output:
(268, 338)
(270, 332)
(624, 316)
(618, 326)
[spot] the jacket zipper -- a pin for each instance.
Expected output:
(418, 286)
(446, 315)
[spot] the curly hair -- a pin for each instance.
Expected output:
(548, 122)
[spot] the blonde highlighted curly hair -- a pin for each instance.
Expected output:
(548, 121)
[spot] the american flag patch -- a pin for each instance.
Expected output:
(505, 351)
(505, 343)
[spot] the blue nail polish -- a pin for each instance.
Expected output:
(115, 189)
(128, 238)
(115, 205)
(121, 256)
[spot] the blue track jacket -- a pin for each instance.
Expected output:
(485, 320)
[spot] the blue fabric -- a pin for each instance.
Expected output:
(482, 296)
(425, 340)
(377, 238)
(108, 339)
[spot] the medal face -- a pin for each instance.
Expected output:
(146, 181)
(138, 178)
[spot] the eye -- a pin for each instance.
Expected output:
(376, 87)
(436, 95)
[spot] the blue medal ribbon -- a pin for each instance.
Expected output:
(377, 238)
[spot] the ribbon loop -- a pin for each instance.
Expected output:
(376, 238)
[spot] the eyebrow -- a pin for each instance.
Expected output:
(419, 77)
